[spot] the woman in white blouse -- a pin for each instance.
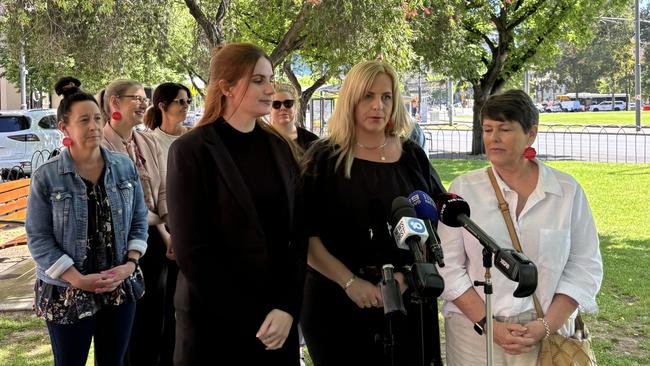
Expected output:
(556, 229)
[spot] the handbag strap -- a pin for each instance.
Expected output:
(505, 211)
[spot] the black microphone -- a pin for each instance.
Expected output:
(390, 293)
(408, 231)
(426, 210)
(454, 212)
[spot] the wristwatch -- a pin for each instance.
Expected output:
(134, 261)
(479, 326)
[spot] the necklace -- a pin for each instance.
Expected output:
(382, 146)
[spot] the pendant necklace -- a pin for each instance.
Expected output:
(382, 146)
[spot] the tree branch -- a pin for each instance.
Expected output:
(291, 39)
(527, 14)
(470, 28)
(213, 31)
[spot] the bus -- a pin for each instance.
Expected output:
(588, 99)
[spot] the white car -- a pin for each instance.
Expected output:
(607, 106)
(27, 138)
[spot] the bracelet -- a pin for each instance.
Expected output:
(547, 328)
(348, 283)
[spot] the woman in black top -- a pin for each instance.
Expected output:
(285, 106)
(232, 211)
(351, 180)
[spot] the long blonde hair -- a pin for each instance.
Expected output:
(342, 124)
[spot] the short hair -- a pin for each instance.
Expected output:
(229, 63)
(118, 88)
(342, 124)
(511, 106)
(165, 93)
(68, 88)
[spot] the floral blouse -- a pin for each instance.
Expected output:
(68, 305)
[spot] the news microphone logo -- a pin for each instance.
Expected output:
(408, 227)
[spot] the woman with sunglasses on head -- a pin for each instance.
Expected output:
(86, 228)
(124, 104)
(284, 109)
(234, 206)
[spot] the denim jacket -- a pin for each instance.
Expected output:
(57, 213)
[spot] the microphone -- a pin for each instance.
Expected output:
(426, 210)
(409, 232)
(454, 212)
(390, 293)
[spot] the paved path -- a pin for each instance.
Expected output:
(17, 275)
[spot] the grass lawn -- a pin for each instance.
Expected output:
(621, 330)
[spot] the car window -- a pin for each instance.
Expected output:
(13, 123)
(48, 122)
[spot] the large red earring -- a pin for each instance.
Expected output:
(116, 115)
(530, 153)
(390, 125)
(67, 141)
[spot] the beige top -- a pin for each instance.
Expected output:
(148, 157)
(165, 140)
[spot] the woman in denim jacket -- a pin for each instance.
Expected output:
(86, 227)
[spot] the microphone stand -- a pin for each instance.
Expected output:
(393, 305)
(487, 290)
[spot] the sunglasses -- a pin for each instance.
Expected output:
(183, 102)
(286, 103)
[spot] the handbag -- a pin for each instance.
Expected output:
(556, 349)
(134, 286)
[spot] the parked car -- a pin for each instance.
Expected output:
(572, 106)
(619, 105)
(552, 108)
(644, 107)
(28, 137)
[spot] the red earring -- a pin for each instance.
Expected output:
(389, 125)
(530, 153)
(67, 141)
(116, 115)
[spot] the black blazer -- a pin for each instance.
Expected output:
(227, 280)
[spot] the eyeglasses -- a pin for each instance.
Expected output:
(286, 103)
(183, 102)
(136, 98)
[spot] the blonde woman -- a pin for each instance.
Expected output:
(284, 109)
(124, 103)
(351, 179)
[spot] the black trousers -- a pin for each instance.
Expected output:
(152, 338)
(110, 327)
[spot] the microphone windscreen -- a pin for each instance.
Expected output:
(424, 206)
(451, 205)
(401, 207)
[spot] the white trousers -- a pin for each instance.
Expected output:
(464, 347)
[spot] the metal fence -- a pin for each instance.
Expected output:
(20, 171)
(606, 143)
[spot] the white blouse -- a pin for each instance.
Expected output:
(556, 230)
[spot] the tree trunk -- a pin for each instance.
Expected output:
(306, 95)
(480, 97)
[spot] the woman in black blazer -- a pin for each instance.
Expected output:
(233, 202)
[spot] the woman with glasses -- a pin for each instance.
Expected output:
(234, 211)
(284, 109)
(124, 104)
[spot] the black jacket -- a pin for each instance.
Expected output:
(227, 281)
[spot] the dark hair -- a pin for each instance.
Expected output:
(229, 63)
(68, 88)
(511, 106)
(165, 93)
